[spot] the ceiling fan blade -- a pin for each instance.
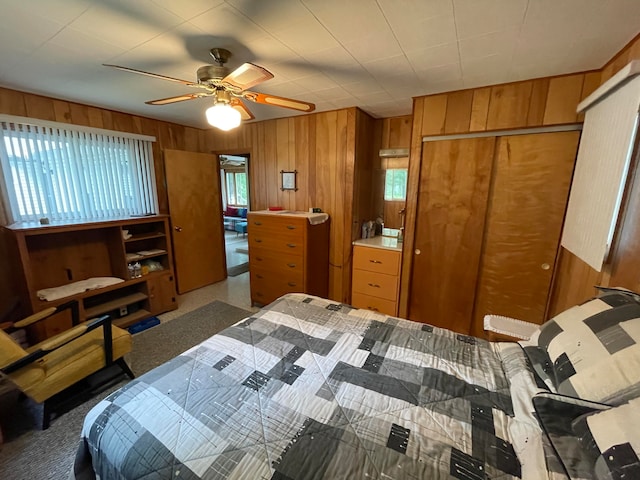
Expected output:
(155, 75)
(242, 108)
(179, 98)
(279, 101)
(246, 76)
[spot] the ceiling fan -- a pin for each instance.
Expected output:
(227, 89)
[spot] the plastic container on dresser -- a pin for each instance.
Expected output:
(288, 252)
(59, 255)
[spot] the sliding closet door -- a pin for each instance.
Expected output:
(532, 177)
(452, 201)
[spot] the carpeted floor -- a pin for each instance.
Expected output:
(33, 454)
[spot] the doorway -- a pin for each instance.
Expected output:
(234, 190)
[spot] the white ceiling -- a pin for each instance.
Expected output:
(374, 54)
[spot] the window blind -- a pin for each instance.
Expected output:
(66, 174)
(602, 165)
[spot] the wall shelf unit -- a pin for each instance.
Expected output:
(48, 256)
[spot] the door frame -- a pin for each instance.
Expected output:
(238, 151)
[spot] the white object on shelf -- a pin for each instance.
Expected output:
(54, 293)
(510, 326)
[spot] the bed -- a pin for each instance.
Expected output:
(308, 388)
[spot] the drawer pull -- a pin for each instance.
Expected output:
(374, 285)
(375, 261)
(258, 294)
(258, 240)
(259, 276)
(373, 308)
(291, 227)
(257, 223)
(291, 284)
(291, 265)
(291, 245)
(259, 259)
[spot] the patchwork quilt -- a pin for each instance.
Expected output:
(311, 389)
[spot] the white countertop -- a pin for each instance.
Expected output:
(387, 243)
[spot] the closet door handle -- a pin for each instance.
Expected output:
(374, 285)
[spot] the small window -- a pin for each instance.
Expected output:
(395, 184)
(236, 188)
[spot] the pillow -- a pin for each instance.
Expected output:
(611, 438)
(242, 212)
(231, 212)
(592, 351)
(556, 414)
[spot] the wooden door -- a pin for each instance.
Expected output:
(195, 204)
(452, 200)
(532, 176)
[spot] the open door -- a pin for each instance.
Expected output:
(193, 188)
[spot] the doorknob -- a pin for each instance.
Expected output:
(417, 251)
(545, 266)
(177, 229)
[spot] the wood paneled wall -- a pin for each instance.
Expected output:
(168, 135)
(531, 103)
(575, 280)
(395, 133)
(333, 154)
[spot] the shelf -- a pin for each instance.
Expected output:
(132, 318)
(91, 293)
(145, 236)
(146, 256)
(115, 304)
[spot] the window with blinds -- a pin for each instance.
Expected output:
(66, 174)
(604, 157)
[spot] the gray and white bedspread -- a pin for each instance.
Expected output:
(310, 389)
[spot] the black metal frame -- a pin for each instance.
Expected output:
(103, 322)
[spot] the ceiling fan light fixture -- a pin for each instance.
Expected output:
(223, 116)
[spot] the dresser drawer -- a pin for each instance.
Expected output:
(276, 262)
(267, 285)
(375, 284)
(380, 305)
(287, 246)
(286, 228)
(377, 260)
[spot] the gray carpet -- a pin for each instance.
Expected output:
(33, 454)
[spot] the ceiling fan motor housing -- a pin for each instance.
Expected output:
(211, 74)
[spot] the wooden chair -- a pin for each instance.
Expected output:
(46, 369)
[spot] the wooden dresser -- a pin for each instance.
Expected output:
(376, 274)
(288, 252)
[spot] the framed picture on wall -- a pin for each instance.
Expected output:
(288, 180)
